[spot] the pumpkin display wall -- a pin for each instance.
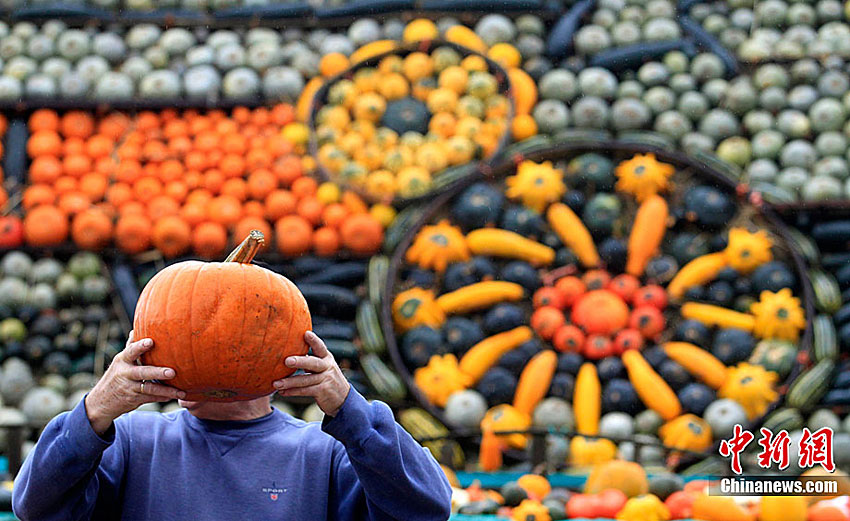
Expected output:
(225, 327)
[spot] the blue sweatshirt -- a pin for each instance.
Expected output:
(358, 465)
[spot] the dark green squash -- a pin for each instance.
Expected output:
(406, 115)
(601, 213)
(420, 344)
(708, 207)
(773, 276)
(478, 206)
(591, 171)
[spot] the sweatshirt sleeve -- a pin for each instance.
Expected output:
(72, 473)
(382, 473)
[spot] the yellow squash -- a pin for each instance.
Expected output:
(484, 354)
(698, 362)
(504, 243)
(587, 400)
(651, 388)
(479, 296)
(696, 273)
(573, 233)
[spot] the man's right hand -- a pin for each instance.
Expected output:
(125, 386)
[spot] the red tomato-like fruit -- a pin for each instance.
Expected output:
(624, 285)
(597, 347)
(568, 339)
(627, 339)
(680, 504)
(596, 279)
(571, 288)
(611, 501)
(11, 232)
(545, 321)
(648, 320)
(583, 505)
(650, 295)
(549, 296)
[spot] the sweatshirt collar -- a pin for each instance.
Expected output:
(270, 420)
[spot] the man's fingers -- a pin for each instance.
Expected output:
(135, 349)
(312, 391)
(129, 338)
(149, 372)
(317, 344)
(312, 364)
(301, 380)
(163, 391)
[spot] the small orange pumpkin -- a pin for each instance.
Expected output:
(172, 236)
(209, 239)
(213, 360)
(45, 225)
(91, 229)
(133, 233)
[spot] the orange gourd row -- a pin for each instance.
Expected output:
(181, 182)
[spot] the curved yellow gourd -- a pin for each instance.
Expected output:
(372, 49)
(573, 233)
(478, 296)
(535, 380)
(651, 388)
(504, 243)
(647, 233)
(697, 272)
(698, 362)
(718, 316)
(587, 400)
(484, 354)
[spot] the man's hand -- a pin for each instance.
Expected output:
(125, 386)
(325, 383)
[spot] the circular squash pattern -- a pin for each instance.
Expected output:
(614, 283)
(393, 123)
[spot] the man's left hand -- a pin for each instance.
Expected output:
(324, 381)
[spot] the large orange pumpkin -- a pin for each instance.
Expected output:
(225, 327)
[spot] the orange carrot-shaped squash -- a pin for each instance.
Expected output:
(647, 232)
(696, 273)
(490, 452)
(535, 380)
(651, 388)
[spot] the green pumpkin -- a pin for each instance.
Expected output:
(601, 213)
(84, 264)
(591, 170)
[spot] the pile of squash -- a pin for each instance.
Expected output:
(601, 295)
(186, 182)
(623, 491)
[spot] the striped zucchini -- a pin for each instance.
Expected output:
(647, 138)
(342, 349)
(785, 418)
(527, 146)
(825, 343)
(453, 175)
(369, 329)
(422, 425)
(710, 466)
(402, 223)
(729, 171)
(810, 386)
(827, 292)
(573, 135)
(804, 245)
(773, 194)
(376, 278)
(384, 380)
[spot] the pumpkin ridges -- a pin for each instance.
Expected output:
(648, 230)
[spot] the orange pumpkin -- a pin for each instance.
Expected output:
(209, 239)
(215, 361)
(362, 234)
(91, 229)
(133, 233)
(172, 236)
(252, 222)
(600, 312)
(45, 225)
(294, 235)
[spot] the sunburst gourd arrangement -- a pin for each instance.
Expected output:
(602, 297)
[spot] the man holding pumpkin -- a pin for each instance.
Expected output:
(215, 460)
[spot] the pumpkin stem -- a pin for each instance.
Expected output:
(245, 252)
